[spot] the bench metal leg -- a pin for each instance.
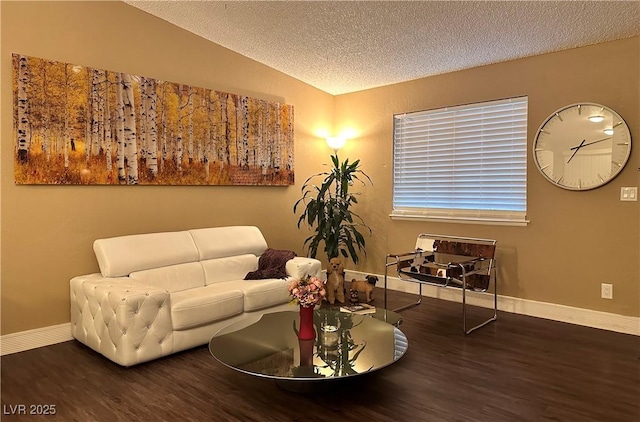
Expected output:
(411, 305)
(464, 304)
(402, 308)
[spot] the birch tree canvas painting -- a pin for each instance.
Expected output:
(79, 125)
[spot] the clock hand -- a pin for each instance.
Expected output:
(576, 149)
(591, 143)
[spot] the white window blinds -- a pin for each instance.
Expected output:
(462, 163)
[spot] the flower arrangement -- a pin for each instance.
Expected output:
(307, 292)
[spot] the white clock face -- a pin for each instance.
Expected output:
(582, 146)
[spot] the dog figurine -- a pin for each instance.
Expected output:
(354, 297)
(335, 281)
(365, 286)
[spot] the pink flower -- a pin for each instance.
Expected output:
(307, 291)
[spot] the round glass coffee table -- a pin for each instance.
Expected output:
(346, 345)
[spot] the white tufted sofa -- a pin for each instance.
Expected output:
(161, 293)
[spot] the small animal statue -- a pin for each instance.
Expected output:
(335, 281)
(354, 297)
(365, 286)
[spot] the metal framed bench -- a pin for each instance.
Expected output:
(448, 261)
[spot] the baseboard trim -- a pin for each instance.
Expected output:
(46, 336)
(552, 311)
(32, 339)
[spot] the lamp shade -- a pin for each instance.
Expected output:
(336, 143)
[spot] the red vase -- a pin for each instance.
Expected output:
(307, 330)
(306, 352)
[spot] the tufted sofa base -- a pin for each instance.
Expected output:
(162, 293)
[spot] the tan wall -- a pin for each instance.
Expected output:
(576, 240)
(47, 231)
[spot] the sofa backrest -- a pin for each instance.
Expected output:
(221, 242)
(123, 255)
(173, 278)
(218, 270)
(120, 256)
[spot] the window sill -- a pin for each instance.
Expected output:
(487, 221)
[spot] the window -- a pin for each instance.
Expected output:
(465, 164)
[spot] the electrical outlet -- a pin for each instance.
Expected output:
(606, 291)
(629, 193)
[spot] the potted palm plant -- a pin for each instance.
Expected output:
(327, 208)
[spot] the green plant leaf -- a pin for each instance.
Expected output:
(327, 209)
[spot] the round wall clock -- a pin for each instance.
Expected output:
(582, 146)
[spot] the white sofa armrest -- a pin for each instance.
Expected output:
(300, 267)
(127, 321)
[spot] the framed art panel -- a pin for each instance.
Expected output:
(78, 125)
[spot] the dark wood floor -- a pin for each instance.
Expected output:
(516, 369)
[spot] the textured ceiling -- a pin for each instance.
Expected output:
(346, 46)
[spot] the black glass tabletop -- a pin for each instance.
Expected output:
(345, 345)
